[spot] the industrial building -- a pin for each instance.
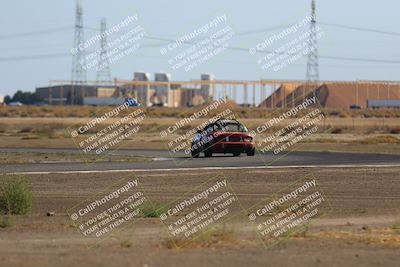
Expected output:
(387, 103)
(362, 94)
(68, 94)
(160, 92)
(166, 93)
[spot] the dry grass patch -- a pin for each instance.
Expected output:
(160, 112)
(370, 236)
(214, 237)
(61, 157)
(382, 139)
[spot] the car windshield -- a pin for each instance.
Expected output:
(232, 127)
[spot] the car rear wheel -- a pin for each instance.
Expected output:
(251, 152)
(195, 154)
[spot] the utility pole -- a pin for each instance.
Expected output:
(103, 67)
(312, 64)
(78, 75)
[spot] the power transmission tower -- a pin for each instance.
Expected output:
(103, 67)
(312, 63)
(78, 55)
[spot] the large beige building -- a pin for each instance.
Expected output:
(335, 94)
(166, 95)
(67, 94)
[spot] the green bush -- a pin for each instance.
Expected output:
(6, 221)
(15, 196)
(153, 210)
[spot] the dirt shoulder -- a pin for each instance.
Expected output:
(360, 229)
(61, 157)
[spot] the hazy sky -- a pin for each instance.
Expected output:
(173, 18)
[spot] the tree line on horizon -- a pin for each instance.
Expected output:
(26, 98)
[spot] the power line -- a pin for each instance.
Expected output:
(283, 53)
(273, 52)
(56, 55)
(362, 59)
(262, 30)
(42, 56)
(24, 34)
(63, 28)
(163, 39)
(360, 29)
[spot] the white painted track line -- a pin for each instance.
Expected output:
(210, 168)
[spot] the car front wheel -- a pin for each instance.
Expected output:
(251, 152)
(208, 154)
(195, 154)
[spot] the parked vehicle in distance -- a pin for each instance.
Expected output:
(132, 102)
(110, 101)
(223, 136)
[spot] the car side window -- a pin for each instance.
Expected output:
(197, 136)
(209, 129)
(243, 128)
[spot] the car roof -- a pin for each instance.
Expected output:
(223, 121)
(228, 121)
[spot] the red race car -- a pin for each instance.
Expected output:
(223, 136)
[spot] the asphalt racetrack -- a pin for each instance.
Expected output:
(163, 160)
